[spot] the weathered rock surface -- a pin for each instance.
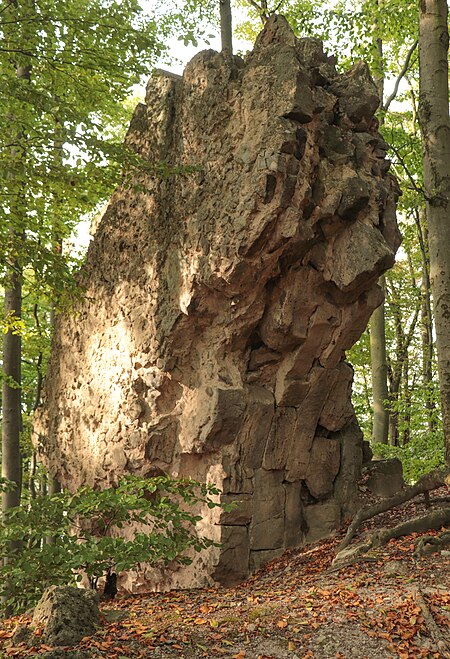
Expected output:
(220, 303)
(385, 477)
(67, 614)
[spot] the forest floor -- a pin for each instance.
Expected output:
(387, 605)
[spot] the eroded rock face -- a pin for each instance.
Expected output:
(220, 303)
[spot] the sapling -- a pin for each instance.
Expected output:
(160, 513)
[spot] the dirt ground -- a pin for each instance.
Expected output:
(387, 605)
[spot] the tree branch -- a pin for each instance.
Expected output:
(400, 76)
(415, 187)
(430, 481)
(261, 9)
(433, 628)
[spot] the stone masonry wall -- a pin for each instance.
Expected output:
(220, 303)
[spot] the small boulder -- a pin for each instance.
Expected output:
(385, 477)
(67, 614)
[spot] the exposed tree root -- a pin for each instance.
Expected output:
(435, 633)
(433, 520)
(428, 544)
(429, 482)
(439, 500)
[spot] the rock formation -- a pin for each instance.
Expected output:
(220, 301)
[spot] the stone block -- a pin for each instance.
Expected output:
(347, 268)
(294, 527)
(242, 511)
(385, 477)
(321, 520)
(323, 466)
(233, 564)
(267, 534)
(338, 409)
(260, 558)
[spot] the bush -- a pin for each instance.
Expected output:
(422, 454)
(49, 541)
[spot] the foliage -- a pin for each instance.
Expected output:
(347, 27)
(421, 455)
(66, 73)
(85, 527)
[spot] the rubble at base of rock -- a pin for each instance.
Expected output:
(220, 302)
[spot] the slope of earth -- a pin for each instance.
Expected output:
(388, 605)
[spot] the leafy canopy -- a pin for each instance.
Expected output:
(65, 70)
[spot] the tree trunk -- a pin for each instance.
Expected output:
(431, 481)
(435, 127)
(11, 394)
(407, 398)
(226, 30)
(12, 357)
(380, 430)
(426, 320)
(53, 487)
(394, 416)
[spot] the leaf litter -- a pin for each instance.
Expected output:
(295, 607)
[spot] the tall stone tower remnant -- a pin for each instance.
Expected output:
(220, 302)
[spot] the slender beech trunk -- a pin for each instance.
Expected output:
(53, 487)
(407, 398)
(11, 403)
(379, 367)
(12, 354)
(378, 358)
(11, 393)
(12, 359)
(435, 128)
(226, 29)
(426, 320)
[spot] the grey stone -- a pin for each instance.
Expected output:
(350, 267)
(355, 198)
(23, 634)
(242, 511)
(395, 569)
(385, 477)
(349, 555)
(294, 525)
(233, 563)
(336, 148)
(321, 519)
(67, 614)
(357, 92)
(260, 558)
(323, 466)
